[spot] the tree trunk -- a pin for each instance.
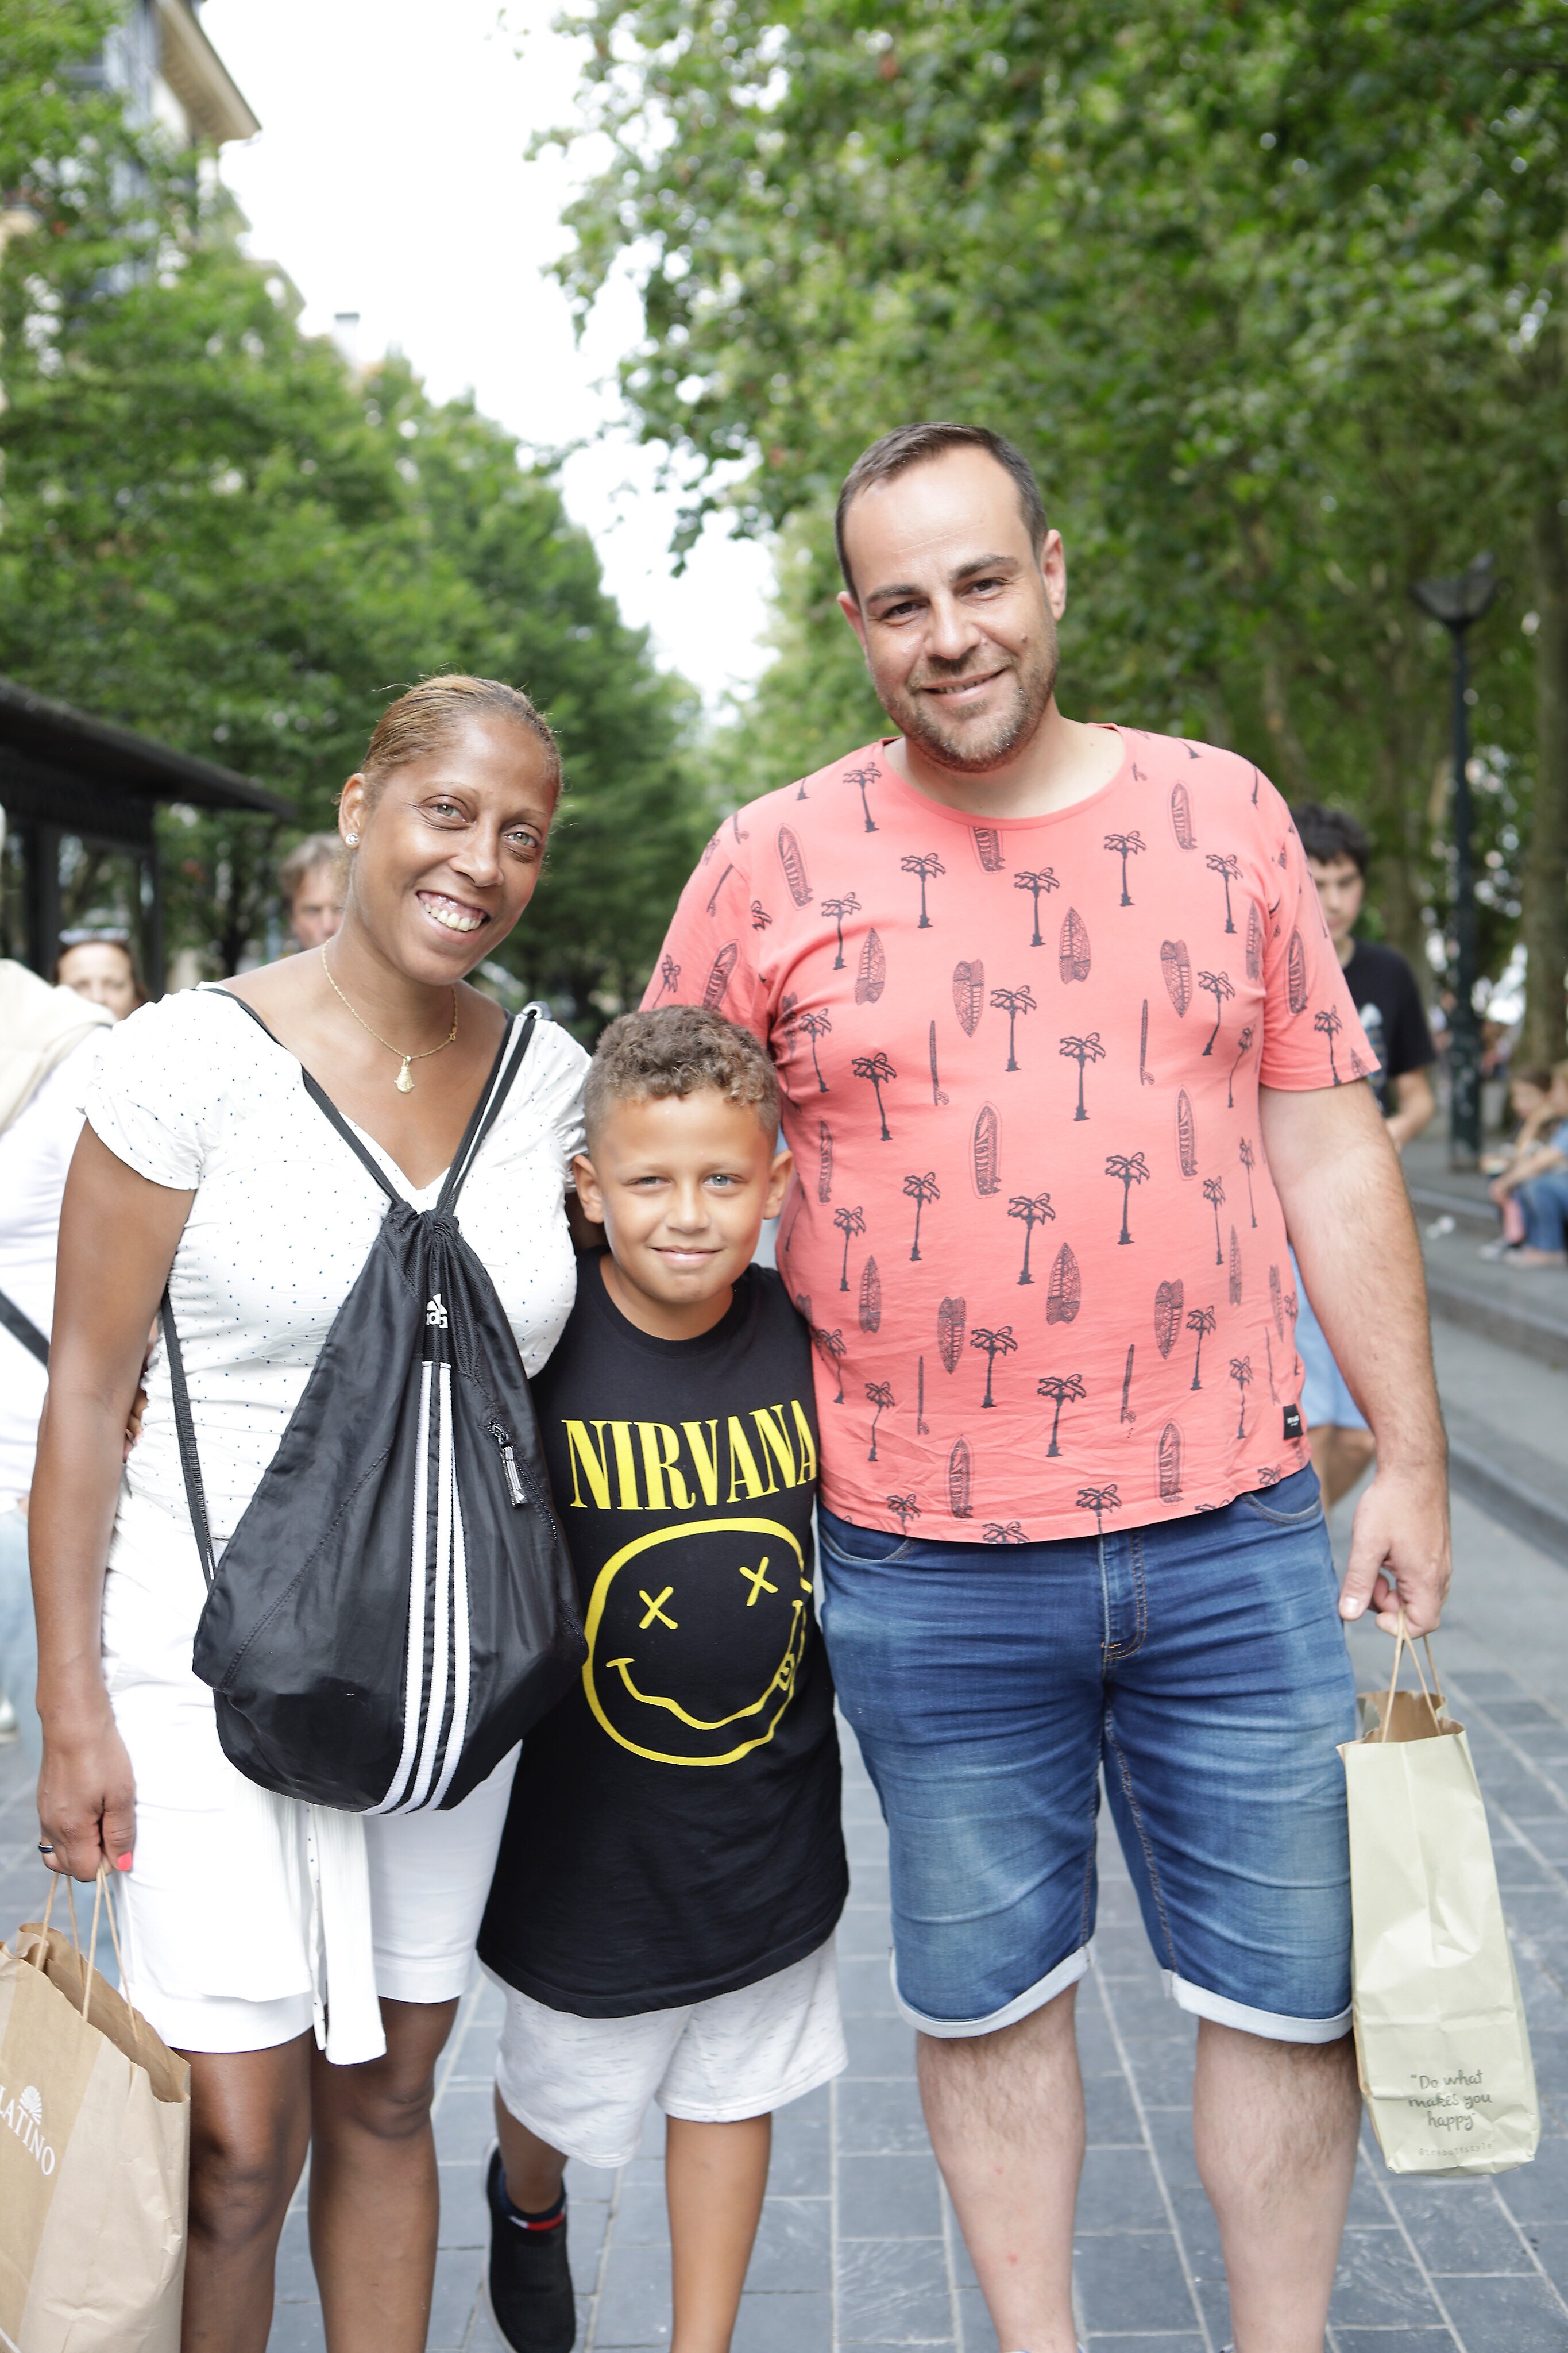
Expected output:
(1544, 925)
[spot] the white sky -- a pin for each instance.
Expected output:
(389, 178)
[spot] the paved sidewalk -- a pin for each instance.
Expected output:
(857, 2247)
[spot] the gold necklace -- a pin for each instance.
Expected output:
(404, 1082)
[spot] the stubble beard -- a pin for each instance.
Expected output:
(971, 754)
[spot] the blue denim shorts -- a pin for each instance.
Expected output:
(1200, 1661)
(1325, 1398)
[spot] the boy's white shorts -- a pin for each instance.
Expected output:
(585, 2085)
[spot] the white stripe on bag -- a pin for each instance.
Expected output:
(440, 1657)
(419, 1547)
(461, 1658)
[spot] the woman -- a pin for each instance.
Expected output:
(203, 1161)
(104, 972)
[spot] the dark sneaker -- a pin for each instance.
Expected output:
(527, 2283)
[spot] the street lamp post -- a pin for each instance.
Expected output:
(1459, 603)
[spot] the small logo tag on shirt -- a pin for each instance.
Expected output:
(1292, 1421)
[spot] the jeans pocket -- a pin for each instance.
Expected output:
(1294, 1502)
(858, 1548)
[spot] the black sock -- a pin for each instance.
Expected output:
(547, 2218)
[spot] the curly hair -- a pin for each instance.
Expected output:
(678, 1049)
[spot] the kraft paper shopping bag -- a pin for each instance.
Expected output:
(94, 2142)
(1441, 2042)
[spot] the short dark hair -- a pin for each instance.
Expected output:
(678, 1049)
(1329, 833)
(915, 444)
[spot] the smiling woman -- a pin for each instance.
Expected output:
(257, 1927)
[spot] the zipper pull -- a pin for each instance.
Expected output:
(508, 1462)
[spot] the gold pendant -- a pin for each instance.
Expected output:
(404, 1080)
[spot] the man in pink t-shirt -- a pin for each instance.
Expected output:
(1064, 1051)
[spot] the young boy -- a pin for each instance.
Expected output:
(673, 1868)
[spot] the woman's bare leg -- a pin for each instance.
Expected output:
(715, 2176)
(374, 2194)
(250, 2126)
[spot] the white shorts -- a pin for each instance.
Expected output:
(429, 1876)
(585, 2085)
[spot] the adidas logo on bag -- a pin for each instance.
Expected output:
(436, 1314)
(23, 2116)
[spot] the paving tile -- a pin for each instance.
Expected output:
(879, 2118)
(975, 2332)
(880, 2045)
(1538, 2192)
(781, 2324)
(1131, 2282)
(864, 1989)
(456, 2293)
(1377, 2283)
(864, 1934)
(890, 2198)
(1514, 2316)
(1118, 2192)
(1439, 2338)
(893, 2292)
(1109, 2115)
(1459, 2226)
(633, 2305)
(793, 2253)
(1549, 2242)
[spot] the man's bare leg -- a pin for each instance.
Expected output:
(1005, 2112)
(1275, 2128)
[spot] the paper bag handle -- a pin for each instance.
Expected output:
(1403, 1642)
(100, 1885)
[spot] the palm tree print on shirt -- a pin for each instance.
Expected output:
(925, 863)
(1221, 863)
(1243, 1048)
(878, 1071)
(1060, 1389)
(880, 1396)
(1202, 1321)
(1042, 879)
(1012, 1002)
(904, 1508)
(850, 1223)
(863, 776)
(1125, 846)
(1218, 985)
(1241, 1374)
(1003, 1532)
(669, 976)
(1328, 1024)
(833, 1351)
(1099, 1499)
(1081, 1050)
(999, 1343)
(921, 1190)
(835, 910)
(761, 919)
(1214, 1194)
(815, 1025)
(1129, 1169)
(1034, 1212)
(1249, 1161)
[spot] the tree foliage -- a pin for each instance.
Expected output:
(1273, 296)
(214, 531)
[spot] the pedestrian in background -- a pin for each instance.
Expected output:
(311, 882)
(103, 970)
(1534, 1184)
(308, 1962)
(48, 1041)
(1388, 999)
(1064, 1046)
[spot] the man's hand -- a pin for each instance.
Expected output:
(1400, 1550)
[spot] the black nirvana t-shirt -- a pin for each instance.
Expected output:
(674, 1827)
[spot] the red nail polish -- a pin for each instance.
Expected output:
(123, 1862)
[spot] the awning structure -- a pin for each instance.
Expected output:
(65, 779)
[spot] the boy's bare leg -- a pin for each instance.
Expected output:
(715, 2176)
(1339, 1458)
(533, 2170)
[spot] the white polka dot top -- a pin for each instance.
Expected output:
(191, 1094)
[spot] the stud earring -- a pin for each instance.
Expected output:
(352, 840)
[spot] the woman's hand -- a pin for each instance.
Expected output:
(86, 1791)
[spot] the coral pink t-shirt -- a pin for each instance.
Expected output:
(1033, 1229)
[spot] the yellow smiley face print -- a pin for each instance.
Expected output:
(695, 1637)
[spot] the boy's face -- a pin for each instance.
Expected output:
(681, 1185)
(1341, 890)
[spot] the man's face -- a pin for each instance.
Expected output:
(1341, 890)
(956, 611)
(318, 907)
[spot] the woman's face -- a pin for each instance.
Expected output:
(450, 849)
(101, 971)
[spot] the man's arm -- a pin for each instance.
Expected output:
(1355, 1236)
(1416, 1107)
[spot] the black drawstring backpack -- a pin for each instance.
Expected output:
(396, 1609)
